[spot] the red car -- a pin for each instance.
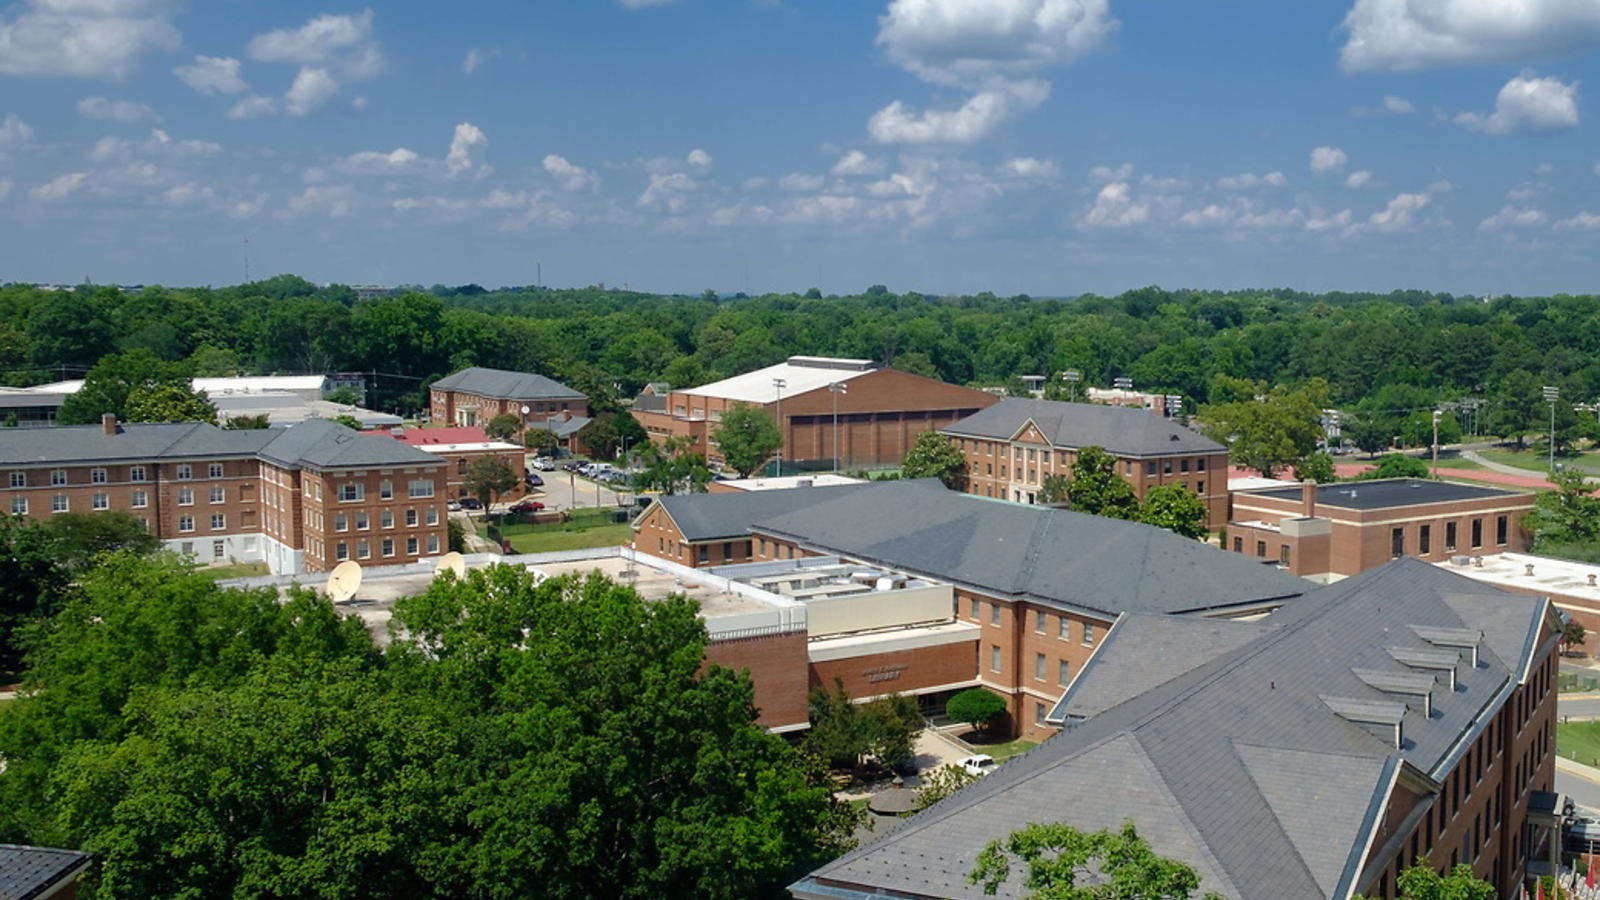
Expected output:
(527, 506)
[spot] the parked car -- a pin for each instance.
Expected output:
(544, 464)
(532, 480)
(526, 506)
(471, 503)
(978, 764)
(572, 466)
(453, 505)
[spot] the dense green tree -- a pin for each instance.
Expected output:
(843, 731)
(610, 432)
(1421, 882)
(1054, 488)
(168, 403)
(1370, 434)
(746, 437)
(1094, 487)
(1568, 515)
(208, 361)
(36, 583)
(487, 478)
(116, 380)
(1277, 430)
(503, 427)
(247, 423)
(348, 421)
(1317, 467)
(79, 539)
(1175, 508)
(671, 467)
(1112, 865)
(941, 783)
(934, 456)
(1398, 465)
(977, 707)
(542, 441)
(1518, 406)
(344, 395)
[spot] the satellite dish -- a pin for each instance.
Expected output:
(344, 581)
(525, 409)
(452, 562)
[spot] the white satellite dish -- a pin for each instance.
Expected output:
(451, 562)
(526, 410)
(344, 581)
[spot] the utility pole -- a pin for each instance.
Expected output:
(780, 384)
(836, 388)
(1072, 377)
(1551, 395)
(1436, 444)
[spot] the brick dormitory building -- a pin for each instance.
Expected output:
(302, 498)
(880, 411)
(475, 395)
(1031, 590)
(1014, 445)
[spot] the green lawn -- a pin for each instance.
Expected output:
(1536, 462)
(1579, 741)
(551, 540)
(1003, 752)
(240, 570)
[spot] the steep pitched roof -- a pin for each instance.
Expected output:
(709, 517)
(1281, 793)
(322, 444)
(28, 872)
(503, 385)
(1123, 431)
(1055, 556)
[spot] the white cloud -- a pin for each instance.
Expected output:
(1111, 173)
(60, 187)
(1512, 217)
(699, 158)
(6, 185)
(1584, 220)
(1399, 212)
(1326, 222)
(858, 163)
(399, 161)
(1527, 103)
(1115, 207)
(253, 107)
(1028, 167)
(1412, 34)
(14, 131)
(1398, 106)
(1248, 180)
(668, 191)
(321, 40)
(1358, 179)
(801, 182)
(213, 75)
(570, 176)
(985, 111)
(311, 90)
(466, 147)
(334, 201)
(967, 43)
(159, 143)
(475, 58)
(115, 110)
(85, 38)
(1328, 159)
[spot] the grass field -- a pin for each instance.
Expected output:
(1579, 741)
(241, 570)
(547, 541)
(1001, 752)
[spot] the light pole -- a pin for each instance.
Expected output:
(836, 388)
(1551, 395)
(1072, 377)
(1436, 415)
(780, 384)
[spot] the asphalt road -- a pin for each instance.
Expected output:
(1583, 792)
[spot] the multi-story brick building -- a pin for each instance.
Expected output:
(1331, 531)
(1013, 446)
(1403, 717)
(1041, 586)
(476, 395)
(880, 411)
(299, 498)
(459, 448)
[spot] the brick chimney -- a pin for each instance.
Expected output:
(1308, 498)
(108, 423)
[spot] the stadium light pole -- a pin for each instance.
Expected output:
(780, 384)
(1551, 395)
(836, 388)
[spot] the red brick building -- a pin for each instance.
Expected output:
(459, 448)
(1332, 531)
(475, 395)
(880, 411)
(301, 498)
(1014, 445)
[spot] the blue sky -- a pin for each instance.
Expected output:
(1041, 146)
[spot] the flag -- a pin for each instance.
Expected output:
(1539, 891)
(1588, 882)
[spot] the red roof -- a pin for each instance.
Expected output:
(422, 437)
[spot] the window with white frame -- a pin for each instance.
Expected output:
(340, 551)
(411, 518)
(433, 543)
(1088, 633)
(58, 477)
(432, 517)
(219, 521)
(19, 479)
(218, 493)
(214, 470)
(385, 490)
(139, 499)
(994, 657)
(363, 549)
(420, 488)
(185, 472)
(1063, 672)
(411, 546)
(185, 497)
(1064, 629)
(19, 506)
(136, 473)
(58, 503)
(388, 546)
(99, 500)
(363, 521)
(218, 548)
(1038, 667)
(386, 518)
(186, 523)
(340, 523)
(351, 492)
(97, 476)
(994, 613)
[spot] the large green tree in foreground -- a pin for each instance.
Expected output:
(746, 437)
(1111, 865)
(1266, 429)
(934, 456)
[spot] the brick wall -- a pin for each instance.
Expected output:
(778, 668)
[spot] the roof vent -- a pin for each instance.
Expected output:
(1591, 579)
(1466, 639)
(1428, 659)
(1174, 437)
(1528, 570)
(1415, 686)
(1380, 718)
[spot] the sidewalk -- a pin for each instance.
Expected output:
(1577, 769)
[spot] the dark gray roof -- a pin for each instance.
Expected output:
(1239, 767)
(1122, 430)
(1009, 549)
(1388, 492)
(27, 872)
(710, 517)
(30, 399)
(650, 402)
(562, 427)
(323, 444)
(503, 385)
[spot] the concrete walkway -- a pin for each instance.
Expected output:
(476, 543)
(1493, 466)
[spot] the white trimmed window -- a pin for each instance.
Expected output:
(139, 499)
(100, 501)
(386, 490)
(363, 521)
(218, 548)
(363, 549)
(386, 518)
(19, 479)
(420, 488)
(136, 473)
(350, 493)
(219, 521)
(1088, 633)
(388, 546)
(340, 551)
(411, 546)
(1065, 632)
(58, 503)
(186, 523)
(214, 470)
(218, 493)
(433, 543)
(341, 523)
(185, 472)
(97, 476)
(58, 477)
(1038, 667)
(185, 497)
(1063, 672)
(19, 506)
(994, 658)
(411, 518)
(432, 517)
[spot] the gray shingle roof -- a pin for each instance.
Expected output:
(1278, 792)
(503, 385)
(710, 517)
(314, 442)
(1049, 555)
(27, 872)
(322, 444)
(1122, 430)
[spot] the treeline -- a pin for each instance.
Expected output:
(1427, 347)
